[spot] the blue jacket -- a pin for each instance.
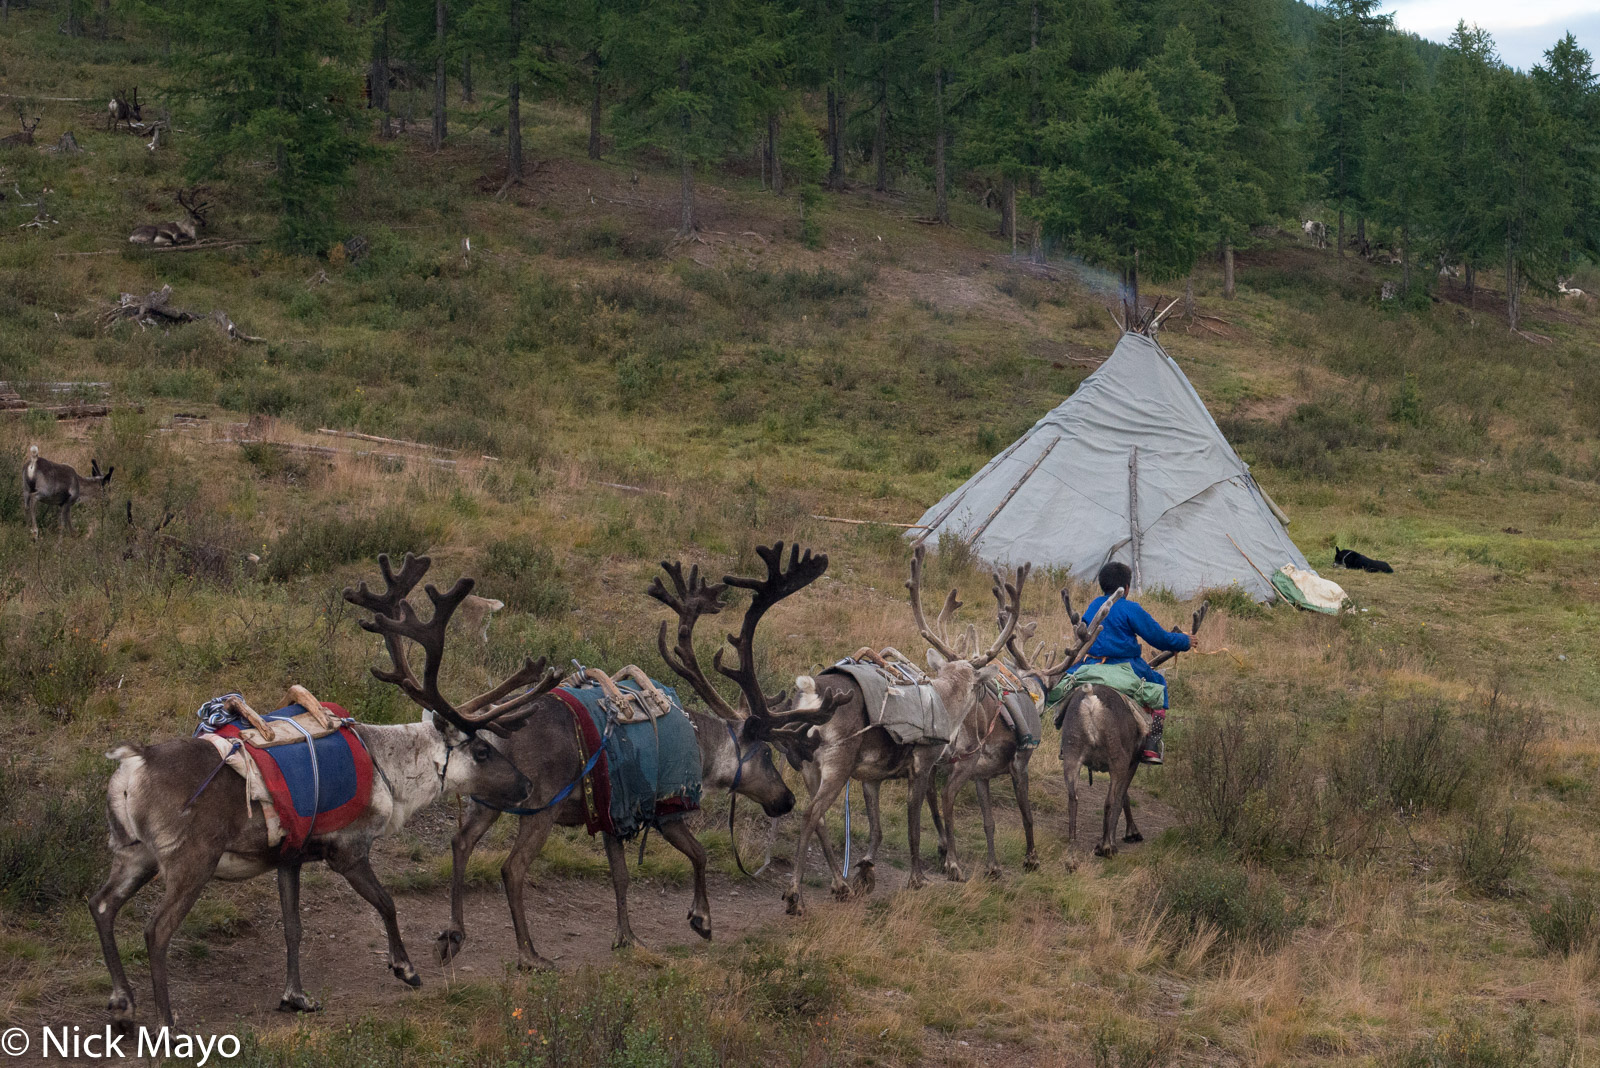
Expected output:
(1125, 624)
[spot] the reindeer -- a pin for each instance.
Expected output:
(734, 756)
(171, 813)
(1317, 232)
(984, 746)
(1102, 730)
(1565, 290)
(181, 232)
(123, 109)
(58, 484)
(850, 745)
(17, 140)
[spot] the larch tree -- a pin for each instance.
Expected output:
(1124, 197)
(691, 71)
(273, 82)
(1570, 89)
(1192, 100)
(1345, 56)
(1398, 169)
(1459, 191)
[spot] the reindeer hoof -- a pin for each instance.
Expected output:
(406, 974)
(626, 941)
(121, 1008)
(1133, 836)
(792, 904)
(992, 873)
(449, 944)
(299, 1001)
(1105, 850)
(1030, 862)
(842, 891)
(535, 963)
(865, 880)
(701, 925)
(916, 881)
(953, 872)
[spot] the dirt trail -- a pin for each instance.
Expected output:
(231, 984)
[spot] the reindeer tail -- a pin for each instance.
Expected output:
(805, 697)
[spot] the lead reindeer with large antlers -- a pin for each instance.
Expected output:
(174, 811)
(734, 755)
(854, 745)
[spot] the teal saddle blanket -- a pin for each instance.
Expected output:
(649, 773)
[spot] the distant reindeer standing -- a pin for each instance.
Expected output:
(181, 232)
(58, 484)
(17, 140)
(123, 109)
(215, 833)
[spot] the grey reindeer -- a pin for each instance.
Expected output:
(735, 755)
(177, 232)
(850, 745)
(172, 814)
(985, 747)
(53, 483)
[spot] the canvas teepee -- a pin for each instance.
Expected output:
(1134, 440)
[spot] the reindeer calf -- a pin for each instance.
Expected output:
(57, 484)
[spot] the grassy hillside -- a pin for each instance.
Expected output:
(1377, 835)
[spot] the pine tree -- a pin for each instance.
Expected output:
(1571, 92)
(692, 73)
(1125, 198)
(274, 81)
(1397, 173)
(1347, 45)
(1459, 197)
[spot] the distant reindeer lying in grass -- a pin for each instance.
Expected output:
(178, 232)
(58, 484)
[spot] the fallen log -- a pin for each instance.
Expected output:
(156, 309)
(72, 411)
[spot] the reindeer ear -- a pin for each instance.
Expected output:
(936, 661)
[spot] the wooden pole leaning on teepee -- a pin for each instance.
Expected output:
(933, 526)
(972, 539)
(1135, 537)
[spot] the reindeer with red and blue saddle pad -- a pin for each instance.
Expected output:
(620, 754)
(257, 793)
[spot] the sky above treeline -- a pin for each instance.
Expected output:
(1522, 29)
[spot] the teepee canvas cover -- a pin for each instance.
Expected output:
(1134, 439)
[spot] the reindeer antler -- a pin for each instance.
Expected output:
(395, 619)
(803, 570)
(1009, 595)
(690, 601)
(696, 597)
(1069, 660)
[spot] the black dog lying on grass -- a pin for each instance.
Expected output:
(1353, 560)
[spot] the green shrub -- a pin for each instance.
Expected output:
(1471, 1041)
(53, 665)
(523, 573)
(1489, 855)
(1566, 922)
(1243, 905)
(1243, 782)
(51, 842)
(1421, 755)
(789, 986)
(314, 545)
